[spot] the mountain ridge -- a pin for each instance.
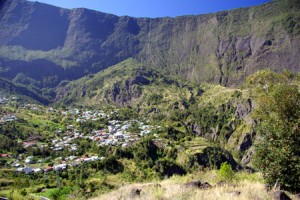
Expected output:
(129, 83)
(222, 48)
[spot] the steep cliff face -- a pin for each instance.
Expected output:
(34, 26)
(223, 47)
(226, 47)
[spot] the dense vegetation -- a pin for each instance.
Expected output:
(219, 48)
(277, 154)
(199, 131)
(226, 99)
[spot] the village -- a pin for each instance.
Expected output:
(113, 133)
(4, 99)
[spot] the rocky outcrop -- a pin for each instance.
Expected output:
(196, 129)
(243, 109)
(126, 91)
(197, 184)
(230, 128)
(247, 157)
(280, 195)
(139, 80)
(135, 193)
(246, 143)
(122, 95)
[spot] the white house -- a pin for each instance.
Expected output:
(60, 167)
(29, 160)
(95, 158)
(37, 170)
(26, 170)
(119, 135)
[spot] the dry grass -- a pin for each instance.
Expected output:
(249, 186)
(173, 188)
(166, 190)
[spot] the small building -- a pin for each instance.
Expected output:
(60, 167)
(26, 170)
(111, 129)
(28, 144)
(37, 170)
(29, 160)
(95, 158)
(16, 164)
(70, 127)
(49, 168)
(119, 135)
(125, 145)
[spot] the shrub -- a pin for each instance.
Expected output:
(225, 172)
(155, 99)
(23, 192)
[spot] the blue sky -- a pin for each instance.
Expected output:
(155, 8)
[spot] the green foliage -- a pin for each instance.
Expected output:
(112, 165)
(9, 144)
(23, 192)
(128, 175)
(127, 113)
(167, 167)
(209, 116)
(290, 24)
(145, 153)
(57, 56)
(155, 99)
(265, 78)
(22, 91)
(134, 127)
(287, 102)
(277, 152)
(179, 115)
(174, 134)
(212, 157)
(59, 193)
(225, 172)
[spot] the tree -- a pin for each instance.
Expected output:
(225, 172)
(265, 78)
(278, 150)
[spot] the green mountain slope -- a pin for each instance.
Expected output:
(22, 92)
(223, 47)
(211, 111)
(129, 83)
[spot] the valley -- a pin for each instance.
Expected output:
(182, 130)
(99, 106)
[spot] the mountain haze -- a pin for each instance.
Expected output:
(48, 44)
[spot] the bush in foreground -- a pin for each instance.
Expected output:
(225, 172)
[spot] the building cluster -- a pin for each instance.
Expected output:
(8, 118)
(113, 133)
(71, 161)
(6, 99)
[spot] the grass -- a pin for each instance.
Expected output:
(15, 194)
(57, 56)
(250, 186)
(216, 94)
(195, 146)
